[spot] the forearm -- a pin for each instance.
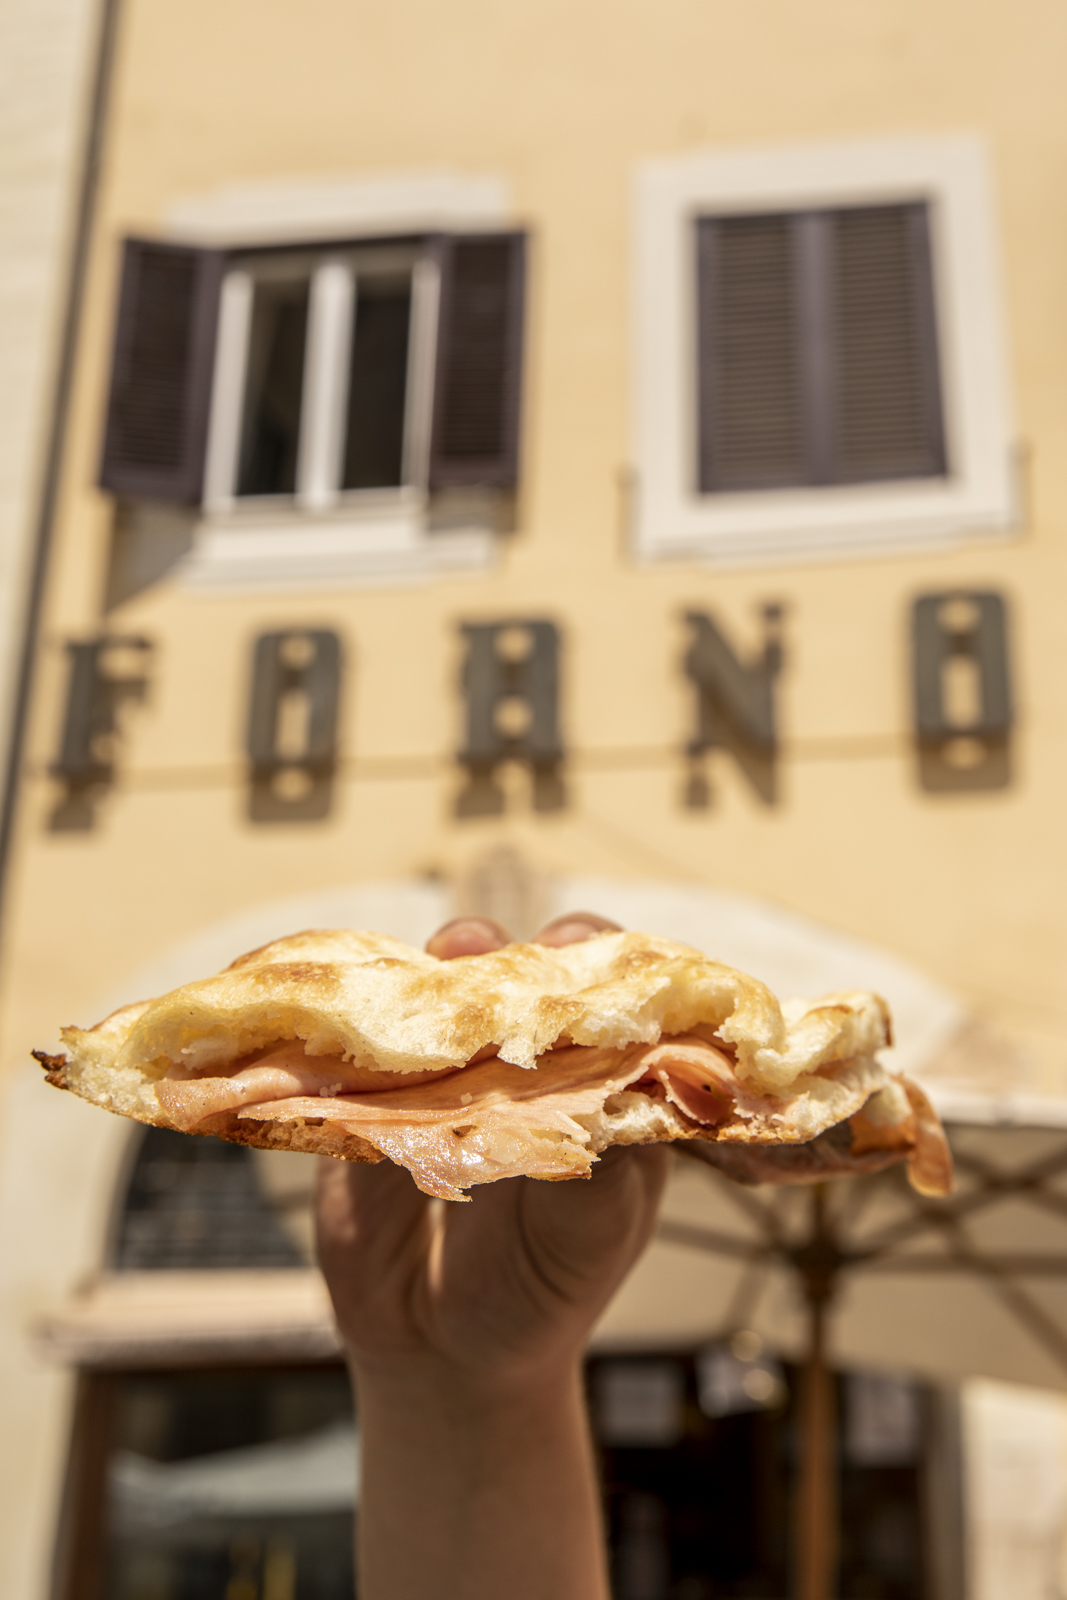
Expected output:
(470, 1493)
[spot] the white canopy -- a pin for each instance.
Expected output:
(314, 1473)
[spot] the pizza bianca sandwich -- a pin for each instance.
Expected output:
(529, 1060)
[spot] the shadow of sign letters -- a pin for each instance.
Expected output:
(735, 705)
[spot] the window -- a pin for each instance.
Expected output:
(322, 386)
(338, 391)
(237, 1481)
(681, 1432)
(196, 1204)
(243, 1480)
(273, 386)
(819, 358)
(817, 349)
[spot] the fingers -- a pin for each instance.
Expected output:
(590, 1234)
(364, 1211)
(476, 936)
(373, 1231)
(623, 1190)
(467, 936)
(574, 927)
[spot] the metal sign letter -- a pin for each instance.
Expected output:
(511, 685)
(961, 685)
(291, 738)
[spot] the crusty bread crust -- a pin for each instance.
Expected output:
(310, 1135)
(383, 1005)
(801, 1068)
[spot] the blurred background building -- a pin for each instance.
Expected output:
(495, 458)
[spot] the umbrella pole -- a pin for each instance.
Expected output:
(816, 1504)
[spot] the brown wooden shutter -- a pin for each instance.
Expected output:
(478, 379)
(161, 372)
(751, 433)
(817, 349)
(889, 422)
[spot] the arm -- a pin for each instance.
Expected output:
(465, 1326)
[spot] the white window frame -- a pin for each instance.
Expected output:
(334, 291)
(976, 500)
(322, 537)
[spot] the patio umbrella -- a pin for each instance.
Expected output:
(973, 1286)
(1002, 1236)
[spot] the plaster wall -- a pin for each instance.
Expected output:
(564, 111)
(561, 104)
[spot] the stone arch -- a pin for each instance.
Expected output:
(65, 1163)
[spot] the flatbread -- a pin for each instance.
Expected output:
(526, 1060)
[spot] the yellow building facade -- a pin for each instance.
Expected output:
(734, 690)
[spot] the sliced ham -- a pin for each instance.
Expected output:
(930, 1163)
(273, 1075)
(698, 1078)
(188, 1103)
(488, 1121)
(480, 1122)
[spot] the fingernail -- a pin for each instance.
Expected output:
(574, 928)
(467, 936)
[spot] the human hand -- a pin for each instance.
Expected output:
(464, 1326)
(498, 1288)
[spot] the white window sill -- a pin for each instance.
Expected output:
(817, 524)
(262, 548)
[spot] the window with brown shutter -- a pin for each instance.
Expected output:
(475, 438)
(161, 375)
(385, 365)
(817, 349)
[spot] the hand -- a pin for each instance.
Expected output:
(500, 1286)
(465, 1326)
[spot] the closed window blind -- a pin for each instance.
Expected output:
(161, 376)
(479, 362)
(817, 349)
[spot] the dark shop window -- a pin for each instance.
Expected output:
(241, 1483)
(234, 1484)
(698, 1461)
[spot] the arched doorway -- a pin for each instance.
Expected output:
(177, 1300)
